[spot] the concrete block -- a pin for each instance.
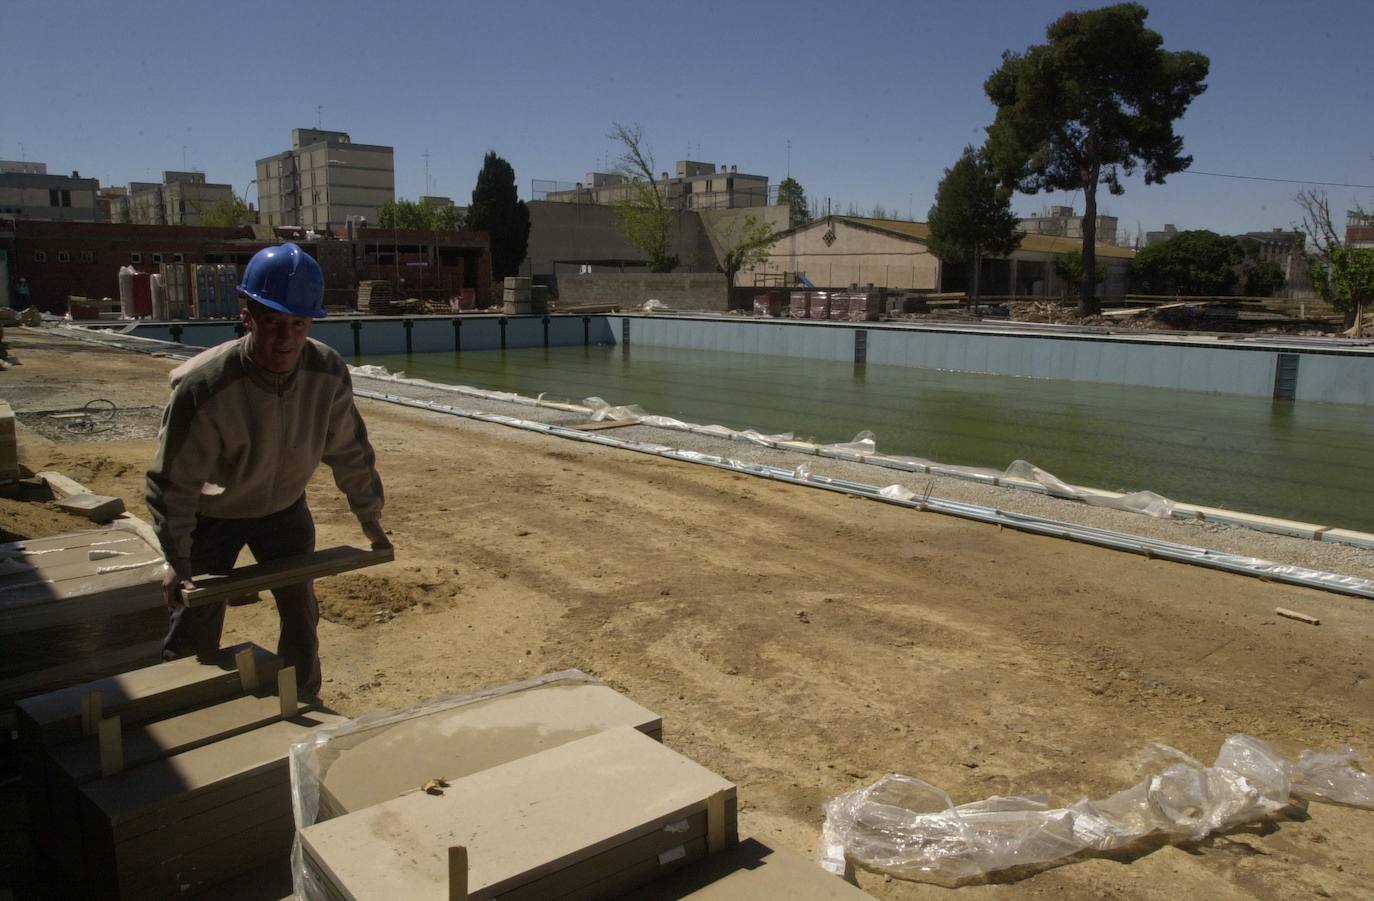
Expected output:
(1348, 536)
(376, 765)
(599, 816)
(751, 871)
(95, 507)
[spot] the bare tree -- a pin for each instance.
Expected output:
(645, 219)
(1343, 275)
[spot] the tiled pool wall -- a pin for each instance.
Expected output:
(1302, 373)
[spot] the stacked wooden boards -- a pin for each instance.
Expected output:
(160, 781)
(375, 764)
(591, 818)
(77, 606)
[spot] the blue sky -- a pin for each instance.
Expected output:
(876, 98)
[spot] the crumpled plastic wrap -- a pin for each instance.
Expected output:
(311, 758)
(911, 829)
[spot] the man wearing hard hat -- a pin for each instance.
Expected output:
(247, 424)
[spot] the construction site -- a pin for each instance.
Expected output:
(620, 655)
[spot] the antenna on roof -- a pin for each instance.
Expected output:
(319, 115)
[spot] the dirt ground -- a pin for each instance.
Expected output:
(800, 643)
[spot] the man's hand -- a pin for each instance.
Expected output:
(175, 581)
(376, 534)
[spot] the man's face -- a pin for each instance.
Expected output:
(277, 337)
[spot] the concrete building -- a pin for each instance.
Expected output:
(696, 186)
(181, 198)
(324, 181)
(1165, 234)
(27, 194)
(836, 251)
(1359, 229)
(1286, 250)
(22, 167)
(1061, 222)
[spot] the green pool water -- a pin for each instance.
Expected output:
(1305, 461)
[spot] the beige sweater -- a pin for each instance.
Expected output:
(238, 441)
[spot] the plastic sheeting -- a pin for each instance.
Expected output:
(909, 828)
(311, 758)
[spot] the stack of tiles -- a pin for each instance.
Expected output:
(839, 306)
(165, 780)
(377, 764)
(9, 444)
(799, 305)
(820, 305)
(593, 818)
(751, 871)
(77, 606)
(375, 296)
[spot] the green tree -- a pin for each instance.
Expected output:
(1097, 101)
(498, 210)
(1069, 269)
(749, 246)
(227, 212)
(1343, 275)
(1191, 263)
(423, 215)
(645, 219)
(1262, 278)
(791, 195)
(972, 217)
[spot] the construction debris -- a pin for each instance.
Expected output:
(1300, 617)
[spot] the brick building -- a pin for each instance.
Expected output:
(60, 259)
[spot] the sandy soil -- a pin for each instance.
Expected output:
(801, 643)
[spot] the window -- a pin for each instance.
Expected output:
(157, 258)
(88, 256)
(177, 258)
(40, 256)
(58, 197)
(64, 256)
(135, 258)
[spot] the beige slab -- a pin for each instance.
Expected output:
(150, 788)
(369, 767)
(751, 871)
(142, 694)
(519, 821)
(285, 571)
(95, 507)
(80, 760)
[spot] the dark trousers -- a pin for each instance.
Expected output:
(215, 545)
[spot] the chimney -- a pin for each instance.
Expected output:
(664, 175)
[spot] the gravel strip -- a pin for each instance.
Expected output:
(1343, 559)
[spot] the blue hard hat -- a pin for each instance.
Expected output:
(286, 279)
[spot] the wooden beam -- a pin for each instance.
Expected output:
(286, 690)
(1300, 617)
(95, 507)
(715, 822)
(457, 873)
(111, 747)
(286, 571)
(246, 663)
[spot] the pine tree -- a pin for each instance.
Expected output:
(498, 210)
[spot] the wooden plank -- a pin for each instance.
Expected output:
(287, 571)
(140, 695)
(79, 761)
(458, 874)
(286, 691)
(111, 744)
(520, 821)
(374, 765)
(715, 823)
(1300, 617)
(587, 426)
